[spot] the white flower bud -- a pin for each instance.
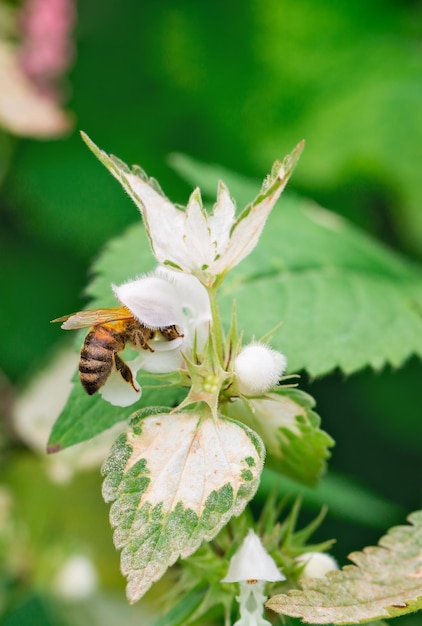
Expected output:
(252, 562)
(258, 369)
(317, 564)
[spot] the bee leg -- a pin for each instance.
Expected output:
(170, 333)
(124, 371)
(143, 341)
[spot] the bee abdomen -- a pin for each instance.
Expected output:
(96, 360)
(94, 372)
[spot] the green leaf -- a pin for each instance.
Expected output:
(345, 300)
(181, 612)
(86, 416)
(123, 258)
(290, 431)
(82, 418)
(386, 581)
(175, 479)
(207, 175)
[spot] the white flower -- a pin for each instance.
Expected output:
(258, 369)
(164, 298)
(251, 566)
(77, 578)
(252, 562)
(316, 564)
(23, 110)
(206, 245)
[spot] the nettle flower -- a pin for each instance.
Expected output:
(159, 300)
(192, 240)
(251, 566)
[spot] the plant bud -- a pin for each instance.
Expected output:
(258, 369)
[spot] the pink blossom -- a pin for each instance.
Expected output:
(47, 48)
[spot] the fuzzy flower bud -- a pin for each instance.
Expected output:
(316, 564)
(258, 369)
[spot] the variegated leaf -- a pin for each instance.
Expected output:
(175, 479)
(385, 582)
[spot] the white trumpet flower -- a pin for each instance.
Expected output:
(251, 566)
(193, 241)
(161, 299)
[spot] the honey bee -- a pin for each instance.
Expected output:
(111, 330)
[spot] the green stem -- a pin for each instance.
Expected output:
(217, 326)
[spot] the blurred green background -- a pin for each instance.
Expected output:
(237, 84)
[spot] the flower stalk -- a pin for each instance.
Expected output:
(216, 324)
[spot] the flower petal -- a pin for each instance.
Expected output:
(162, 361)
(163, 221)
(252, 562)
(222, 218)
(117, 391)
(251, 221)
(197, 240)
(194, 302)
(152, 300)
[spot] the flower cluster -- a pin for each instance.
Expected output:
(195, 249)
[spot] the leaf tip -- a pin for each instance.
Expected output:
(53, 448)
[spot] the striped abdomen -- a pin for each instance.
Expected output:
(98, 356)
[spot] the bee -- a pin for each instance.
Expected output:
(111, 330)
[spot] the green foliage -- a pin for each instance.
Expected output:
(296, 446)
(345, 498)
(345, 300)
(386, 581)
(85, 416)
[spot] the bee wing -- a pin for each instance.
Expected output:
(85, 319)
